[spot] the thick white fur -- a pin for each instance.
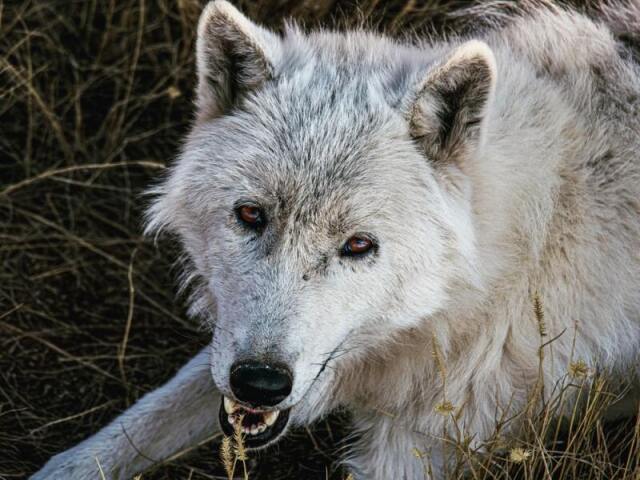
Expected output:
(543, 199)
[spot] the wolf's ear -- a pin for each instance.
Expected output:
(448, 108)
(233, 55)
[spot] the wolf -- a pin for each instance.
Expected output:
(367, 222)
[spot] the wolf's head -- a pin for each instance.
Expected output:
(322, 201)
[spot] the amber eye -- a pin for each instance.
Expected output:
(357, 245)
(251, 215)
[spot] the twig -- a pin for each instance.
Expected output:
(91, 166)
(71, 417)
(59, 350)
(127, 329)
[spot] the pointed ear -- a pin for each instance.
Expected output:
(449, 107)
(233, 55)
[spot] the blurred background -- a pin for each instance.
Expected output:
(95, 96)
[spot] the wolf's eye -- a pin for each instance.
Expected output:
(357, 245)
(251, 216)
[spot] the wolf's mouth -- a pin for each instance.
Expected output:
(259, 427)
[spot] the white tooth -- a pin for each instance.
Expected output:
(231, 419)
(229, 405)
(261, 428)
(254, 429)
(246, 430)
(270, 417)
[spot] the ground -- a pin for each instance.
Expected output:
(95, 96)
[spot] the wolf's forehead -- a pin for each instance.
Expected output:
(321, 116)
(313, 173)
(319, 169)
(315, 136)
(321, 143)
(306, 108)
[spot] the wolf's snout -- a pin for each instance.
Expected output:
(260, 384)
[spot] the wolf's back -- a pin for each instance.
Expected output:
(623, 18)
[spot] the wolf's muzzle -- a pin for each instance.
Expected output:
(257, 388)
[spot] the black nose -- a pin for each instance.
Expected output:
(260, 384)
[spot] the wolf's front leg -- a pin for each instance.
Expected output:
(175, 416)
(392, 448)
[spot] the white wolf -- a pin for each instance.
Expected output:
(349, 202)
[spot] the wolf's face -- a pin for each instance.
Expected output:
(307, 199)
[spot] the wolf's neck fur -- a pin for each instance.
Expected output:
(541, 213)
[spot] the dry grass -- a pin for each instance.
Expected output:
(94, 98)
(564, 432)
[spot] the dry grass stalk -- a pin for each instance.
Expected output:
(227, 457)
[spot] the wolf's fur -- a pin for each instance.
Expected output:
(490, 169)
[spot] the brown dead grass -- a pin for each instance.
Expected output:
(94, 98)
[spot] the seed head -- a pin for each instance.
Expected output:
(519, 455)
(226, 455)
(579, 369)
(539, 312)
(445, 408)
(238, 440)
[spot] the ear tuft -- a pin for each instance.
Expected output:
(234, 56)
(450, 104)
